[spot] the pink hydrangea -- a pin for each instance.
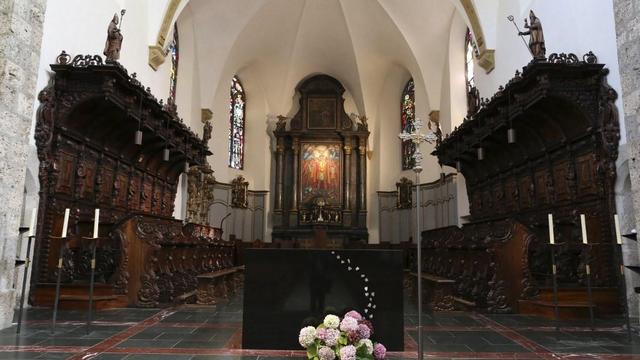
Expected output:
(379, 351)
(348, 353)
(363, 331)
(349, 324)
(329, 336)
(326, 353)
(353, 314)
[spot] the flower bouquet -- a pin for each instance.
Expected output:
(346, 339)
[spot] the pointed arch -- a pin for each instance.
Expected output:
(174, 50)
(407, 120)
(236, 124)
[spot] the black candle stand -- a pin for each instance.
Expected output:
(94, 245)
(587, 268)
(26, 261)
(56, 300)
(556, 314)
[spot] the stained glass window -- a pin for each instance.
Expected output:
(175, 56)
(236, 125)
(408, 117)
(470, 52)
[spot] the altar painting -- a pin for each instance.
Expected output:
(320, 172)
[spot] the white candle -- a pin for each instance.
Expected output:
(65, 224)
(616, 221)
(32, 225)
(96, 221)
(552, 239)
(584, 229)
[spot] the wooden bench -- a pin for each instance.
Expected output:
(218, 286)
(437, 291)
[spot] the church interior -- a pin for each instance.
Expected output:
(321, 179)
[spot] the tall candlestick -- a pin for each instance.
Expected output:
(96, 221)
(616, 221)
(65, 224)
(32, 225)
(584, 229)
(552, 239)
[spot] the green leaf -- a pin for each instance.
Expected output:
(312, 351)
(361, 351)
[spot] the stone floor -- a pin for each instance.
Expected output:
(206, 333)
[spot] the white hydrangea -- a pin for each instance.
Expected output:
(331, 321)
(307, 336)
(368, 344)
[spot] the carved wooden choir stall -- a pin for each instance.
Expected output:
(545, 143)
(321, 172)
(92, 156)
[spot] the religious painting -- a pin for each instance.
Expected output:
(321, 173)
(321, 113)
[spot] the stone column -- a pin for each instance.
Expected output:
(627, 18)
(362, 218)
(346, 212)
(20, 41)
(296, 156)
(279, 174)
(347, 175)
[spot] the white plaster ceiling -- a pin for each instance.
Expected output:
(277, 43)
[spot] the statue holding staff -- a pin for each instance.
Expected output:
(114, 38)
(536, 36)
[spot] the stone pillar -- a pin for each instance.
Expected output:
(362, 151)
(347, 175)
(346, 209)
(296, 156)
(627, 18)
(20, 41)
(279, 174)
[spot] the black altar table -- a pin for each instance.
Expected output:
(287, 289)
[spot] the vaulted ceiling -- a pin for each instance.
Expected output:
(277, 43)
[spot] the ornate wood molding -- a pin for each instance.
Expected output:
(85, 129)
(562, 161)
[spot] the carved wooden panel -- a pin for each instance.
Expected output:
(560, 180)
(66, 166)
(85, 127)
(565, 155)
(586, 174)
(525, 190)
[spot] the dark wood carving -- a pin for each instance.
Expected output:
(239, 192)
(85, 129)
(404, 189)
(321, 123)
(563, 162)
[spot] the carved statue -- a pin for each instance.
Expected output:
(206, 131)
(473, 100)
(114, 39)
(239, 192)
(282, 123)
(363, 125)
(404, 191)
(536, 36)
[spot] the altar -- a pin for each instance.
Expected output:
(287, 289)
(321, 161)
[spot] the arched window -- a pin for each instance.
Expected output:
(174, 50)
(469, 47)
(236, 125)
(407, 118)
